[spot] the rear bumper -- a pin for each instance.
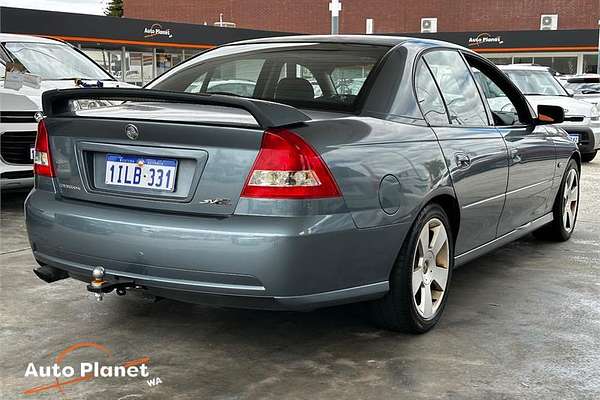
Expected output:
(222, 294)
(291, 263)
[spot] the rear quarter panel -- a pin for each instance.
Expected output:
(386, 170)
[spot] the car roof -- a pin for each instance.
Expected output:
(353, 39)
(585, 78)
(11, 37)
(523, 67)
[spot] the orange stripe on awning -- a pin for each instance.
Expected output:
(131, 42)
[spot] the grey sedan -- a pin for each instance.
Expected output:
(294, 198)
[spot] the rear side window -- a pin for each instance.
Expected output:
(311, 75)
(429, 97)
(459, 90)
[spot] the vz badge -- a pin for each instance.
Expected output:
(216, 202)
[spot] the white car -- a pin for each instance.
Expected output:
(235, 87)
(582, 119)
(584, 87)
(60, 66)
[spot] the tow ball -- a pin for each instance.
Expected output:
(99, 286)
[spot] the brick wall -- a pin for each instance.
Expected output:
(312, 16)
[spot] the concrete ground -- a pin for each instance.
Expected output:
(522, 323)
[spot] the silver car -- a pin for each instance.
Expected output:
(584, 87)
(291, 198)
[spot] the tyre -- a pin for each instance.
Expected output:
(588, 157)
(420, 278)
(566, 206)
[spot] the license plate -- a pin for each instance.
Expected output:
(141, 172)
(574, 138)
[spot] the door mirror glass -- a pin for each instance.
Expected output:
(549, 114)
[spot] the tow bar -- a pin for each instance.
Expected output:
(99, 286)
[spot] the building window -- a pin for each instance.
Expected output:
(590, 63)
(564, 65)
(523, 60)
(501, 60)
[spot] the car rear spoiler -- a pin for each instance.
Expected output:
(268, 114)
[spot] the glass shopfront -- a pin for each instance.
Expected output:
(141, 65)
(590, 63)
(563, 63)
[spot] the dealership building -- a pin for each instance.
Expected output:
(156, 35)
(562, 34)
(133, 50)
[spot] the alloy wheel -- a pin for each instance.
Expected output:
(571, 200)
(430, 268)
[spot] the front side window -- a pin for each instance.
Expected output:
(429, 97)
(312, 75)
(536, 82)
(459, 90)
(55, 61)
(503, 110)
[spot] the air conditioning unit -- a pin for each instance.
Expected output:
(428, 25)
(549, 22)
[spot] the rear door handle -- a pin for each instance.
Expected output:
(516, 157)
(462, 160)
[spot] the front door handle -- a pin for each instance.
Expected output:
(462, 160)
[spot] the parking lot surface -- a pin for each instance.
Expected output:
(522, 322)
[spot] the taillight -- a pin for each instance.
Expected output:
(288, 168)
(42, 162)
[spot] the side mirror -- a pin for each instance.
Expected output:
(549, 115)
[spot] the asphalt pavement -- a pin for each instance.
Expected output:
(522, 322)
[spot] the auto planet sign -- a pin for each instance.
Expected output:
(157, 30)
(483, 39)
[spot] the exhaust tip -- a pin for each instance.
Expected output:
(50, 274)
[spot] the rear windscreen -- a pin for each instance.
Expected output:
(325, 75)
